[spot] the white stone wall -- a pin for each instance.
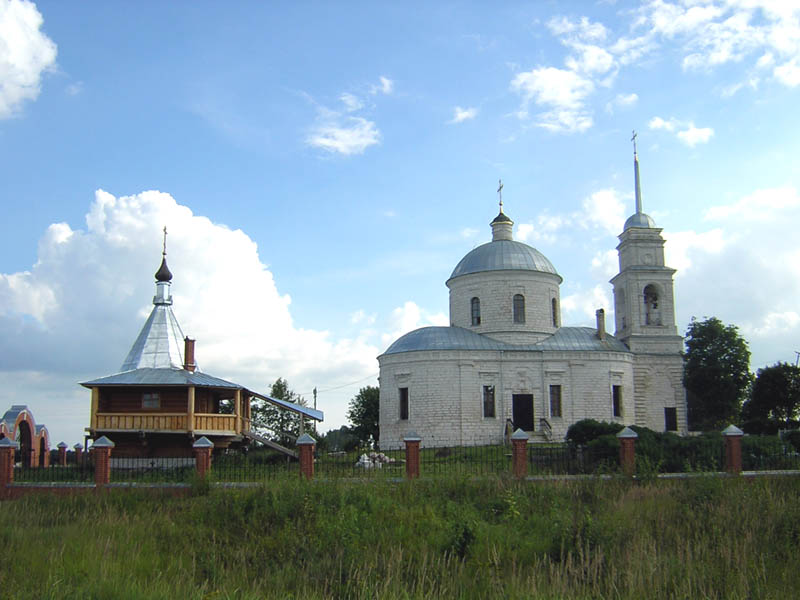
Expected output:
(496, 291)
(446, 402)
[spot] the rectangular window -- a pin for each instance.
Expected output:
(616, 400)
(151, 400)
(488, 401)
(555, 400)
(404, 404)
(671, 418)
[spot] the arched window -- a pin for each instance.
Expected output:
(475, 305)
(554, 310)
(652, 306)
(519, 308)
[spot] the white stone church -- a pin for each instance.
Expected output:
(505, 362)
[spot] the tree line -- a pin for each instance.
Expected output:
(720, 389)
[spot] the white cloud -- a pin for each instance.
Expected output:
(695, 135)
(348, 136)
(545, 229)
(463, 114)
(761, 205)
(788, 73)
(563, 91)
(410, 317)
(74, 89)
(622, 101)
(659, 123)
(75, 314)
(385, 86)
(686, 132)
(580, 306)
(605, 264)
(605, 209)
(25, 53)
(351, 102)
(743, 271)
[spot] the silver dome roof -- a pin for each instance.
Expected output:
(458, 338)
(502, 255)
(639, 219)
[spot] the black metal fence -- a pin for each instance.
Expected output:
(152, 470)
(256, 465)
(361, 464)
(72, 472)
(759, 453)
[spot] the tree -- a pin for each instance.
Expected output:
(275, 423)
(775, 396)
(716, 373)
(363, 413)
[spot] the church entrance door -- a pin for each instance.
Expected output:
(522, 411)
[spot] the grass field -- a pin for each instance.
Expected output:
(434, 538)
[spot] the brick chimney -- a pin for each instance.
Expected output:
(601, 324)
(188, 353)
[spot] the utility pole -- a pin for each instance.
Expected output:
(315, 408)
(797, 358)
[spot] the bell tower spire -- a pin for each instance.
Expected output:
(636, 176)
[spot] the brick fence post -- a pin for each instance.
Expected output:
(305, 445)
(62, 454)
(78, 453)
(7, 449)
(102, 461)
(519, 454)
(412, 441)
(202, 455)
(733, 449)
(627, 451)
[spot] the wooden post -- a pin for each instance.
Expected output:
(237, 410)
(519, 454)
(733, 449)
(306, 444)
(7, 449)
(102, 461)
(190, 410)
(95, 404)
(62, 454)
(627, 450)
(412, 441)
(202, 455)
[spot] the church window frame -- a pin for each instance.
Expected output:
(616, 401)
(489, 403)
(151, 401)
(518, 306)
(404, 403)
(475, 311)
(555, 401)
(554, 311)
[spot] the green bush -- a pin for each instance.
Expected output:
(586, 430)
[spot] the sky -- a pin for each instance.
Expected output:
(322, 167)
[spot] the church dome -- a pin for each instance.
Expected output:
(639, 219)
(504, 255)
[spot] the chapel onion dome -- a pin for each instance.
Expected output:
(163, 274)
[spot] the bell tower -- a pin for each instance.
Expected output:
(644, 314)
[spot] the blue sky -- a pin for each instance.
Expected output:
(322, 167)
